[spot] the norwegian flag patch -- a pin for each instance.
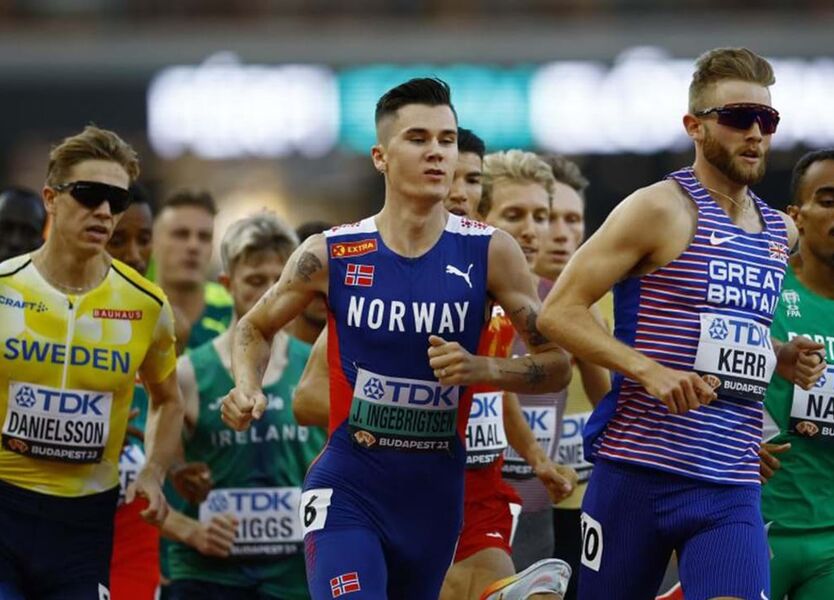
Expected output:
(778, 251)
(359, 275)
(345, 584)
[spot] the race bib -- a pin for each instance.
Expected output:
(485, 437)
(542, 420)
(403, 414)
(812, 411)
(735, 356)
(268, 520)
(571, 447)
(53, 424)
(131, 461)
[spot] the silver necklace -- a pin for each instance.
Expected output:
(744, 205)
(61, 286)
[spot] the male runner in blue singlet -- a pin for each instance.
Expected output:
(382, 505)
(675, 441)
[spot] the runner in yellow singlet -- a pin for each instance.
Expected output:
(76, 327)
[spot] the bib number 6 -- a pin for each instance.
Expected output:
(591, 542)
(313, 508)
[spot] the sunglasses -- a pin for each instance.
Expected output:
(742, 116)
(92, 193)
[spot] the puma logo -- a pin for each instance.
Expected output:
(453, 270)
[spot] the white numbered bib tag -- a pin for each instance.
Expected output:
(313, 509)
(735, 356)
(542, 421)
(268, 519)
(812, 411)
(591, 542)
(485, 437)
(57, 424)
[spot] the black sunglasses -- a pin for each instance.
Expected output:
(92, 193)
(743, 115)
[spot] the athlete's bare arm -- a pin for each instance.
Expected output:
(558, 479)
(596, 380)
(311, 401)
(162, 435)
(304, 276)
(649, 229)
(191, 480)
(546, 369)
(187, 381)
(213, 538)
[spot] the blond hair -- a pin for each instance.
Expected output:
(91, 144)
(514, 166)
(255, 233)
(722, 64)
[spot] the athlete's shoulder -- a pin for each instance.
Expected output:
(465, 226)
(152, 292)
(367, 225)
(13, 266)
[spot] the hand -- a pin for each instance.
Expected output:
(148, 485)
(560, 480)
(192, 481)
(453, 364)
(801, 361)
(133, 430)
(216, 537)
(680, 391)
(769, 464)
(239, 408)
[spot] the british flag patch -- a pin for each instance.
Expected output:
(778, 251)
(345, 584)
(359, 275)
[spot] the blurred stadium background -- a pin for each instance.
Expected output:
(270, 102)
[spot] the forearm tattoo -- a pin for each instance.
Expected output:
(530, 330)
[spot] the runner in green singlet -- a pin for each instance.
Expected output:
(797, 500)
(257, 474)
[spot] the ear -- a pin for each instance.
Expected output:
(49, 195)
(378, 155)
(795, 213)
(226, 281)
(694, 127)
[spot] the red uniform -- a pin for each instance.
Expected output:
(490, 506)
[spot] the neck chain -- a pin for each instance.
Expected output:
(63, 287)
(743, 205)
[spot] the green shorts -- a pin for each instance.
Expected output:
(802, 566)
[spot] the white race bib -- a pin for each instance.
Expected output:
(131, 461)
(53, 424)
(269, 522)
(735, 356)
(812, 411)
(485, 436)
(571, 445)
(542, 421)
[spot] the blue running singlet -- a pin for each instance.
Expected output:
(382, 504)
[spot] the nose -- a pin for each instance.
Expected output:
(103, 210)
(559, 230)
(755, 131)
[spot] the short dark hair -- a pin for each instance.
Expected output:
(566, 171)
(15, 193)
(196, 198)
(469, 142)
(802, 167)
(309, 228)
(139, 194)
(429, 91)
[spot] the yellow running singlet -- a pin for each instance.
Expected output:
(67, 369)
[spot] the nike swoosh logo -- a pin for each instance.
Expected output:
(717, 241)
